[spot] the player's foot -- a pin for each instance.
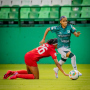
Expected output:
(14, 76)
(80, 74)
(56, 72)
(9, 72)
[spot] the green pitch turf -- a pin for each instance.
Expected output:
(47, 79)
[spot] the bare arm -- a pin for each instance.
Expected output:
(46, 32)
(60, 68)
(77, 34)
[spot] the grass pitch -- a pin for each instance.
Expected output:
(47, 79)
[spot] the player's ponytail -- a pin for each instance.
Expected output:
(52, 41)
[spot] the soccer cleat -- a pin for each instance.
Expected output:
(9, 72)
(56, 72)
(14, 76)
(80, 74)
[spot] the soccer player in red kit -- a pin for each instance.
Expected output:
(31, 58)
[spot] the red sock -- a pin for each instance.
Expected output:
(25, 76)
(21, 72)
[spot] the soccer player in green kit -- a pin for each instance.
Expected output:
(63, 33)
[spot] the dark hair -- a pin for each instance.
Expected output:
(52, 41)
(68, 21)
(62, 17)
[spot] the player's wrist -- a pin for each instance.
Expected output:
(64, 73)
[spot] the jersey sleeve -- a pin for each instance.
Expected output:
(54, 29)
(53, 54)
(73, 29)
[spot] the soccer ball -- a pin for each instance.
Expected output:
(74, 74)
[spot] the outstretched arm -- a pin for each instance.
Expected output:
(77, 34)
(60, 68)
(46, 32)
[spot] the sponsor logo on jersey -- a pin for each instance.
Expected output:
(65, 41)
(52, 28)
(64, 35)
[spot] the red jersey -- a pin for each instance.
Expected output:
(44, 50)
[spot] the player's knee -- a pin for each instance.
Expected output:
(28, 72)
(71, 55)
(67, 55)
(37, 77)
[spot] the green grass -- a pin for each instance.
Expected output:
(47, 79)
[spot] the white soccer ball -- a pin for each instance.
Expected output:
(74, 74)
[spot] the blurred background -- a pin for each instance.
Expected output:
(23, 23)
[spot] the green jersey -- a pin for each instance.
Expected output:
(63, 34)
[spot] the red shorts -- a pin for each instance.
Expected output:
(29, 60)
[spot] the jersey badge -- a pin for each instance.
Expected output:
(68, 31)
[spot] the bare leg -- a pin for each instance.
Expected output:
(28, 71)
(34, 71)
(67, 55)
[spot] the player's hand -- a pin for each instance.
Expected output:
(66, 74)
(42, 42)
(78, 33)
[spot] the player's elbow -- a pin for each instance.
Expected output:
(48, 29)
